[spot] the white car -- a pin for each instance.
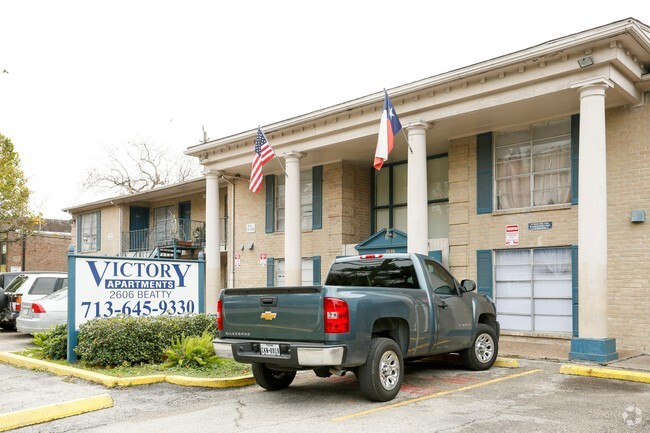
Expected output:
(43, 314)
(28, 287)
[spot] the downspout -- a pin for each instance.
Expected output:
(24, 255)
(231, 245)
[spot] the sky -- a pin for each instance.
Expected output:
(84, 76)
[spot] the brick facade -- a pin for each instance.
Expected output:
(44, 250)
(628, 159)
(346, 219)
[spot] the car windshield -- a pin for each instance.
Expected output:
(16, 284)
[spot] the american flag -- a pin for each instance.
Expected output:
(261, 155)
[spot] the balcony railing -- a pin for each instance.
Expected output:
(172, 232)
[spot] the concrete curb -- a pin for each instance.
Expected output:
(606, 373)
(506, 363)
(54, 411)
(211, 383)
(112, 381)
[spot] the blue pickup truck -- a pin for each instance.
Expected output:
(373, 312)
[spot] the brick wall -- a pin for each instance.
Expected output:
(346, 219)
(44, 251)
(628, 188)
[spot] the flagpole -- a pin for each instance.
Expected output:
(285, 173)
(407, 141)
(259, 128)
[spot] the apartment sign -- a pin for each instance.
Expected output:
(110, 286)
(512, 235)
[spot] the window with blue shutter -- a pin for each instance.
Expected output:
(270, 203)
(317, 197)
(484, 272)
(270, 272)
(316, 270)
(484, 173)
(575, 151)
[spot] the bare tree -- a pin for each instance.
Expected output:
(139, 167)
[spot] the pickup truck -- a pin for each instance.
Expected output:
(373, 312)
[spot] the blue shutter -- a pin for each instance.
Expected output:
(436, 255)
(316, 265)
(484, 173)
(574, 288)
(317, 197)
(484, 272)
(270, 203)
(270, 272)
(575, 153)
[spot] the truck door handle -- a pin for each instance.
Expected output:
(268, 301)
(442, 304)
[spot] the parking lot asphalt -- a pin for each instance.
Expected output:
(90, 393)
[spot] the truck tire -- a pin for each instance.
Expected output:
(380, 378)
(272, 380)
(483, 351)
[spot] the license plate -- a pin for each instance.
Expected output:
(270, 349)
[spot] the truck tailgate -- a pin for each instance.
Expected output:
(274, 313)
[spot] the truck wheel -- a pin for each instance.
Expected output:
(483, 351)
(381, 376)
(270, 379)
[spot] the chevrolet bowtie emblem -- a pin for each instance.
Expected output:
(268, 315)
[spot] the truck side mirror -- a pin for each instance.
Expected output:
(468, 285)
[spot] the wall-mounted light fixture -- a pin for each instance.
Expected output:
(250, 245)
(586, 61)
(638, 216)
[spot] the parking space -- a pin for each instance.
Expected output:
(437, 395)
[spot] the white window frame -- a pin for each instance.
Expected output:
(307, 267)
(306, 201)
(507, 296)
(88, 231)
(534, 148)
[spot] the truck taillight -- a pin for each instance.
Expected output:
(220, 315)
(15, 303)
(337, 316)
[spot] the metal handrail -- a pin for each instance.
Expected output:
(169, 232)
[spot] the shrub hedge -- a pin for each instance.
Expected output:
(127, 340)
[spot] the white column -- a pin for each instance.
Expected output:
(592, 210)
(212, 241)
(292, 221)
(417, 212)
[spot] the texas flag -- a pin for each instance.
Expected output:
(388, 128)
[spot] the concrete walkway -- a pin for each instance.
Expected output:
(630, 365)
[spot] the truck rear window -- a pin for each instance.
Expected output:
(379, 272)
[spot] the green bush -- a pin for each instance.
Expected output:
(127, 340)
(53, 344)
(191, 352)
